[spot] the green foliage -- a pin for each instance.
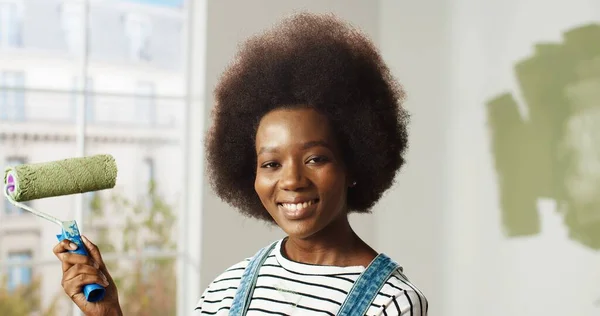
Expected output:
(146, 285)
(24, 300)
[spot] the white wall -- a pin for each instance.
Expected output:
(488, 273)
(409, 220)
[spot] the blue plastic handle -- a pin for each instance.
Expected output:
(93, 292)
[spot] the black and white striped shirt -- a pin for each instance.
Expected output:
(285, 287)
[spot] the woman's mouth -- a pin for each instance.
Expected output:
(295, 211)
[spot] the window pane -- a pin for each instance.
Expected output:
(12, 96)
(72, 26)
(24, 236)
(35, 39)
(10, 24)
(83, 94)
(148, 285)
(18, 275)
(37, 124)
(133, 41)
(145, 108)
(44, 131)
(131, 87)
(142, 211)
(24, 278)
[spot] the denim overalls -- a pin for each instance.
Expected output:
(357, 302)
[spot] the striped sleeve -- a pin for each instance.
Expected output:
(405, 299)
(406, 303)
(218, 296)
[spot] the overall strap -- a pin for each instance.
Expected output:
(243, 295)
(367, 286)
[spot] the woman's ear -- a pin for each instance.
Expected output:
(350, 180)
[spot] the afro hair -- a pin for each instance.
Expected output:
(321, 62)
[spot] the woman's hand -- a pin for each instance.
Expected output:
(79, 270)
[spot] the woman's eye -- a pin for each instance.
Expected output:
(317, 159)
(269, 165)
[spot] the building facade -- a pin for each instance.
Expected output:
(127, 72)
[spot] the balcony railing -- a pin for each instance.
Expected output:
(25, 105)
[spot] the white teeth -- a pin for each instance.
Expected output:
(298, 206)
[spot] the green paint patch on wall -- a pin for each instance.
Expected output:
(554, 150)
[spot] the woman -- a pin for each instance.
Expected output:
(308, 127)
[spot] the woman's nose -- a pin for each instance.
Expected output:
(293, 177)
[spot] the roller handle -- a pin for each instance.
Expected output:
(93, 292)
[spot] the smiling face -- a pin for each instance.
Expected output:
(300, 176)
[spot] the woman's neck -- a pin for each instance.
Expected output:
(336, 245)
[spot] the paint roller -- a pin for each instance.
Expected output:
(57, 178)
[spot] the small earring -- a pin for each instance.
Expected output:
(353, 184)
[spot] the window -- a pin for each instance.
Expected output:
(71, 16)
(19, 275)
(10, 25)
(145, 109)
(12, 96)
(138, 31)
(77, 97)
(147, 176)
(130, 49)
(10, 209)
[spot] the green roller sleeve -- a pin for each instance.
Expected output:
(63, 177)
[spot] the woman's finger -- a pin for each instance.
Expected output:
(80, 269)
(61, 248)
(64, 246)
(71, 259)
(75, 285)
(93, 251)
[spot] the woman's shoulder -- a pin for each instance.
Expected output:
(220, 292)
(230, 277)
(403, 294)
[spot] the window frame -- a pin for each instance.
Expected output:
(17, 265)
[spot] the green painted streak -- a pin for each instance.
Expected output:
(554, 152)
